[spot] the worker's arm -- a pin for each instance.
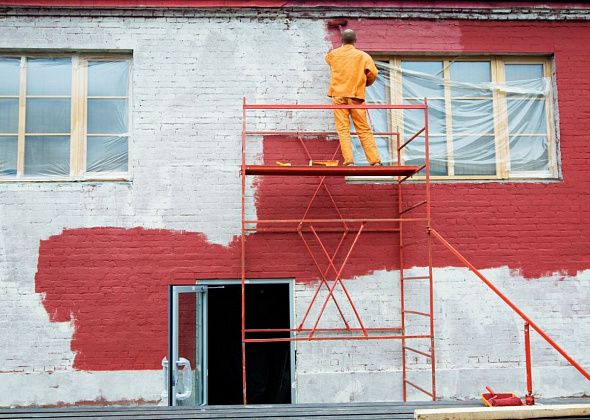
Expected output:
(371, 71)
(328, 57)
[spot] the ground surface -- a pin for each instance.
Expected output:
(391, 410)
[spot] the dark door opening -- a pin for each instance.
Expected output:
(268, 365)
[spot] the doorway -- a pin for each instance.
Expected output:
(205, 342)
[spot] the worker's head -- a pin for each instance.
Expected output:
(348, 37)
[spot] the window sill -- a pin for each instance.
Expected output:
(46, 180)
(446, 180)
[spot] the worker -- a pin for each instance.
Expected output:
(352, 71)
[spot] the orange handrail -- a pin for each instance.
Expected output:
(512, 306)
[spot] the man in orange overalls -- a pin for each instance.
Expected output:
(352, 71)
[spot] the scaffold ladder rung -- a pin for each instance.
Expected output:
(419, 388)
(429, 355)
(416, 278)
(417, 313)
(407, 209)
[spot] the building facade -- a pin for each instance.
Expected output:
(120, 131)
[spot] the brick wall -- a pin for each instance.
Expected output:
(85, 265)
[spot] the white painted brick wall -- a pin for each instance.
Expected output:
(480, 341)
(189, 77)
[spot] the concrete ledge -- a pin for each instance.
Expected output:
(493, 413)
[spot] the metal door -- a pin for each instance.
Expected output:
(186, 377)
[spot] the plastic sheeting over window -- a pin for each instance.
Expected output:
(54, 142)
(48, 116)
(108, 110)
(9, 92)
(8, 151)
(488, 118)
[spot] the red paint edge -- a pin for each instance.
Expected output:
(288, 4)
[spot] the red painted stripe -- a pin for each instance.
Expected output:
(286, 4)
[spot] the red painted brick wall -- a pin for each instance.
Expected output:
(539, 227)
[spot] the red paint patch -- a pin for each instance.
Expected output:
(113, 281)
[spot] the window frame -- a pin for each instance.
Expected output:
(499, 107)
(78, 118)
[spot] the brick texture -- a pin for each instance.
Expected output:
(86, 264)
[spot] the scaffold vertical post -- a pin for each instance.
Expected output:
(529, 398)
(401, 272)
(430, 271)
(243, 254)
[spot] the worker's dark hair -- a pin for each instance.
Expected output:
(348, 36)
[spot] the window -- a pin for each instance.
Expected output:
(489, 118)
(64, 117)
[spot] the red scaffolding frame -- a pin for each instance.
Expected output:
(399, 174)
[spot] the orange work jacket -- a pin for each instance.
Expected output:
(352, 70)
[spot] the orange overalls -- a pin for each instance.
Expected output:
(352, 70)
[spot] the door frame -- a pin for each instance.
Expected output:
(201, 287)
(201, 305)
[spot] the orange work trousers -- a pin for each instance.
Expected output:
(361, 126)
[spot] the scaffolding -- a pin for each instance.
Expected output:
(331, 276)
(398, 174)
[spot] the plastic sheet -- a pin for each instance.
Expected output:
(47, 155)
(107, 148)
(49, 116)
(9, 84)
(478, 127)
(8, 150)
(106, 154)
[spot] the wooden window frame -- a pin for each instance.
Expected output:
(499, 106)
(78, 119)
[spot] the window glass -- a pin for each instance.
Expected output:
(422, 79)
(8, 152)
(48, 115)
(413, 154)
(47, 155)
(528, 153)
(414, 118)
(107, 116)
(9, 76)
(377, 94)
(8, 115)
(108, 78)
(523, 71)
(526, 116)
(470, 78)
(49, 76)
(106, 154)
(472, 116)
(474, 155)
